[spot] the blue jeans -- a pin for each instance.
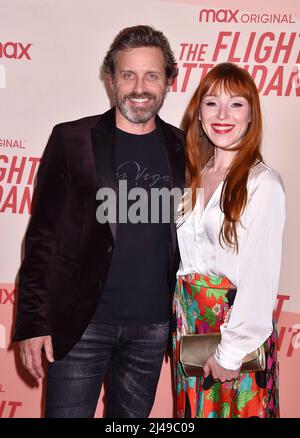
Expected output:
(132, 358)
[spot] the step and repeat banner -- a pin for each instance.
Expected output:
(50, 57)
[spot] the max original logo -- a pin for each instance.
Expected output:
(12, 50)
(220, 16)
(229, 16)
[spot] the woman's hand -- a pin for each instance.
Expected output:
(218, 372)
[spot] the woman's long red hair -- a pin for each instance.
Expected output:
(234, 81)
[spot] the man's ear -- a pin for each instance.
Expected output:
(110, 80)
(169, 83)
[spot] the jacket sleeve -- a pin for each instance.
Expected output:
(40, 241)
(258, 270)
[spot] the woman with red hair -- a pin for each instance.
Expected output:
(230, 244)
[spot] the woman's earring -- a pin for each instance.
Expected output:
(200, 126)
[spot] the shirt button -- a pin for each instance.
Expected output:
(100, 284)
(109, 249)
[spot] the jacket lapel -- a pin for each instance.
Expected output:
(175, 158)
(103, 143)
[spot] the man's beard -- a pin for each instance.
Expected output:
(139, 114)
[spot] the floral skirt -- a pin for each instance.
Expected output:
(200, 306)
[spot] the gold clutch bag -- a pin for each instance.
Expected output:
(195, 350)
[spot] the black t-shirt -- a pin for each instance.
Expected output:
(137, 290)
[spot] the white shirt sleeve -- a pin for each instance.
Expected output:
(258, 269)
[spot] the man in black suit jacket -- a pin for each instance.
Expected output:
(96, 295)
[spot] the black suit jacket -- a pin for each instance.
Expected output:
(67, 252)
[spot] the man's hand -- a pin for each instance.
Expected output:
(218, 372)
(31, 354)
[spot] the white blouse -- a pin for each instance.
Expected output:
(254, 270)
